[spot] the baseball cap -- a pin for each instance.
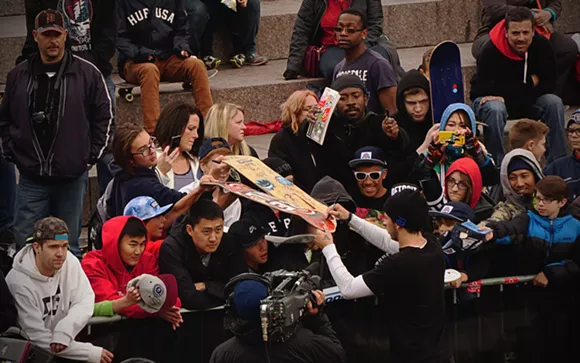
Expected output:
(246, 233)
(211, 145)
(145, 208)
(157, 292)
(574, 118)
(457, 211)
(49, 20)
(50, 228)
(348, 81)
(402, 186)
(279, 165)
(408, 209)
(368, 155)
(248, 295)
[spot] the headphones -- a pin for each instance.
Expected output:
(231, 285)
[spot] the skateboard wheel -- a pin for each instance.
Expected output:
(129, 97)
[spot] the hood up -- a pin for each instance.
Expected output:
(510, 194)
(327, 190)
(458, 107)
(413, 79)
(111, 235)
(497, 35)
(468, 167)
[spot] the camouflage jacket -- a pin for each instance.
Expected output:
(503, 211)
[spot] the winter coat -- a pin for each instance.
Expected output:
(501, 72)
(84, 124)
(53, 309)
(147, 28)
(568, 168)
(179, 257)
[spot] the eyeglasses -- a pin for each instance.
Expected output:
(461, 185)
(374, 175)
(543, 200)
(339, 30)
(573, 132)
(148, 150)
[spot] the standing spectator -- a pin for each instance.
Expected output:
(568, 167)
(56, 122)
(195, 254)
(8, 312)
(153, 46)
(53, 296)
(7, 199)
(291, 144)
(226, 120)
(529, 135)
(375, 71)
(516, 76)
(243, 25)
(545, 18)
(316, 26)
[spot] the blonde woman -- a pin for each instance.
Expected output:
(291, 144)
(226, 120)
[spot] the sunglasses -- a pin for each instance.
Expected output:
(340, 30)
(374, 175)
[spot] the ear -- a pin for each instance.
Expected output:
(189, 230)
(37, 247)
(35, 35)
(529, 145)
(365, 33)
(562, 202)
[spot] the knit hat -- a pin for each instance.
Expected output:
(408, 209)
(157, 292)
(246, 233)
(348, 81)
(248, 295)
(50, 228)
(518, 164)
(279, 165)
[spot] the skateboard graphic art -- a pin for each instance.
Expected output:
(446, 78)
(311, 216)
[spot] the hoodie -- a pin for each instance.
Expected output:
(501, 72)
(108, 274)
(467, 167)
(415, 130)
(53, 309)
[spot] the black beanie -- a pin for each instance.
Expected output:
(408, 209)
(348, 81)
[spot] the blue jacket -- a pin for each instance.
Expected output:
(568, 168)
(551, 246)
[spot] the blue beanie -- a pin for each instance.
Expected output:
(247, 297)
(518, 164)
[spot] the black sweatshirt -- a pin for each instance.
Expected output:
(8, 312)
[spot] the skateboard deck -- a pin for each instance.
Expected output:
(446, 78)
(312, 217)
(273, 183)
(299, 238)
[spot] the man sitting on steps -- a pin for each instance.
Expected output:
(516, 75)
(153, 45)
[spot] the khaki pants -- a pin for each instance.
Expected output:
(174, 69)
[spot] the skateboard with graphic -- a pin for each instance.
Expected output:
(311, 216)
(446, 78)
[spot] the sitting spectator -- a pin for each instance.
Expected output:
(316, 26)
(226, 120)
(179, 133)
(53, 295)
(414, 108)
(370, 171)
(8, 312)
(545, 13)
(516, 76)
(52, 148)
(375, 71)
(550, 236)
(568, 167)
(194, 253)
(153, 47)
(122, 259)
(529, 135)
(314, 340)
(290, 143)
(242, 22)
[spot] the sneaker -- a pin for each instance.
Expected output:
(238, 60)
(211, 62)
(256, 59)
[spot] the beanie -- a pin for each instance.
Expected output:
(518, 164)
(408, 209)
(248, 295)
(348, 81)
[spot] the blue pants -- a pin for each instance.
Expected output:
(7, 194)
(333, 55)
(548, 108)
(104, 172)
(63, 200)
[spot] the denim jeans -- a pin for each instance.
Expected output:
(7, 194)
(333, 55)
(104, 172)
(63, 200)
(548, 108)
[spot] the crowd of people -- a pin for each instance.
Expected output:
(164, 237)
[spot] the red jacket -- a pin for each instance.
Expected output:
(108, 274)
(468, 167)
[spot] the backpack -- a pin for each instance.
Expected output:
(99, 217)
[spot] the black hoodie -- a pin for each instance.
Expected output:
(8, 311)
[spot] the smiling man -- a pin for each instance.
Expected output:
(370, 171)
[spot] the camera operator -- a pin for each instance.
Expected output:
(408, 284)
(315, 341)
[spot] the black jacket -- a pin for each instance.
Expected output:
(84, 121)
(8, 312)
(315, 342)
(179, 257)
(498, 75)
(151, 28)
(307, 29)
(98, 46)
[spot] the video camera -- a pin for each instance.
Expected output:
(282, 312)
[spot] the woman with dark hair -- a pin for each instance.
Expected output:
(179, 134)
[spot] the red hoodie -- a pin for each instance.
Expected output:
(108, 274)
(468, 167)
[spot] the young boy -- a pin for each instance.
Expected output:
(529, 135)
(568, 167)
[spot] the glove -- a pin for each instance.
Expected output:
(474, 149)
(290, 74)
(433, 157)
